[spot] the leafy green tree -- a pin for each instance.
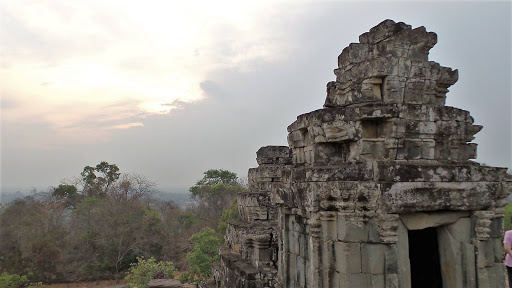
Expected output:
(95, 185)
(64, 191)
(212, 177)
(205, 252)
(68, 193)
(140, 273)
(229, 215)
(214, 193)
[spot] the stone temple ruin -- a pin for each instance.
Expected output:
(377, 188)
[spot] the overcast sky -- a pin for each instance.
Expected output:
(170, 90)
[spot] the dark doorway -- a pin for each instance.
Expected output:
(424, 258)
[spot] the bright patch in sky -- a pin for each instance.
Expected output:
(85, 68)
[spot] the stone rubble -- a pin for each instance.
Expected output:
(384, 157)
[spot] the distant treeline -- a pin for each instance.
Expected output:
(182, 199)
(95, 228)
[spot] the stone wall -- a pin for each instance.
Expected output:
(383, 166)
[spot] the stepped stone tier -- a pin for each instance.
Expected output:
(376, 189)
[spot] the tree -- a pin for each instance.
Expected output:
(64, 191)
(212, 177)
(32, 234)
(131, 187)
(98, 185)
(177, 227)
(98, 226)
(214, 193)
(205, 252)
(68, 193)
(229, 215)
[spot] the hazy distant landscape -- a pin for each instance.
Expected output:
(182, 199)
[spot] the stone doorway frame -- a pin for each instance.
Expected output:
(456, 251)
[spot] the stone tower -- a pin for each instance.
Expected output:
(376, 189)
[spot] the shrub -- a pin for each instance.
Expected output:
(16, 281)
(205, 252)
(508, 214)
(12, 280)
(141, 272)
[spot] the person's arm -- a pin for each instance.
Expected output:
(508, 248)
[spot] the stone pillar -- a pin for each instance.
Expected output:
(315, 275)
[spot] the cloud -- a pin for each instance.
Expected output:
(127, 125)
(212, 89)
(176, 104)
(68, 63)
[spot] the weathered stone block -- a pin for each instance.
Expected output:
(377, 281)
(391, 260)
(373, 258)
(290, 237)
(461, 229)
(491, 256)
(392, 281)
(468, 265)
(374, 149)
(354, 53)
(373, 233)
(371, 89)
(303, 246)
(355, 280)
(339, 131)
(412, 149)
(483, 278)
(418, 221)
(496, 275)
(429, 196)
(329, 230)
(382, 31)
(393, 89)
(428, 150)
(481, 256)
(358, 171)
(451, 259)
(274, 155)
(348, 257)
(301, 272)
(467, 151)
(352, 229)
(291, 269)
(404, 265)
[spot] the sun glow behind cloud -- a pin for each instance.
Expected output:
(86, 68)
